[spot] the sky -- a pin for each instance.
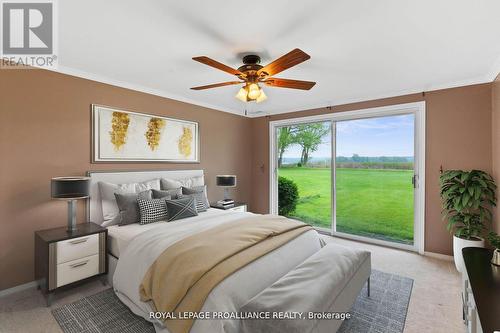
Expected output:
(382, 136)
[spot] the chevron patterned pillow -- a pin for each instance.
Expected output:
(181, 208)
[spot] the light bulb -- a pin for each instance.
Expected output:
(262, 97)
(242, 95)
(253, 91)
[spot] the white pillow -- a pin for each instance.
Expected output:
(110, 211)
(172, 184)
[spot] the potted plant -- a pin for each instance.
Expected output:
(495, 242)
(467, 200)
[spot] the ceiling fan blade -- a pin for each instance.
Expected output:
(215, 85)
(218, 65)
(287, 83)
(290, 59)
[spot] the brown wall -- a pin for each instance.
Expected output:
(458, 135)
(45, 132)
(495, 121)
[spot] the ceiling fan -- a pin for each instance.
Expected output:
(252, 73)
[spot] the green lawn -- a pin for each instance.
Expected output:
(374, 203)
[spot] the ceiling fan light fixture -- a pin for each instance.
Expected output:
(242, 94)
(262, 96)
(254, 91)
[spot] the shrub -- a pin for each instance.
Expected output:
(288, 195)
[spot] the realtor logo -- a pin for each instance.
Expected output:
(28, 33)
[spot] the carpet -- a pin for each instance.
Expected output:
(384, 312)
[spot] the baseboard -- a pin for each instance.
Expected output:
(18, 288)
(438, 256)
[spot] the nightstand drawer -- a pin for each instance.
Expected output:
(77, 248)
(242, 208)
(76, 270)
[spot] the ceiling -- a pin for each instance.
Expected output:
(359, 50)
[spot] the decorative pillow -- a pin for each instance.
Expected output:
(198, 189)
(110, 211)
(152, 210)
(128, 206)
(200, 196)
(181, 208)
(167, 194)
(169, 184)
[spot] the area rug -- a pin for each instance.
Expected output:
(384, 311)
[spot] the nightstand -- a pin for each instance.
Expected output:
(238, 207)
(64, 258)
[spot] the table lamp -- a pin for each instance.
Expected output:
(226, 181)
(70, 189)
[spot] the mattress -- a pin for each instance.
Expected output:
(120, 236)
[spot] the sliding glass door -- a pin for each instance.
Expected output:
(356, 174)
(374, 173)
(304, 160)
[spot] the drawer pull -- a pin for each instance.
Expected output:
(83, 263)
(78, 241)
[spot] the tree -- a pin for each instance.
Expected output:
(309, 137)
(286, 137)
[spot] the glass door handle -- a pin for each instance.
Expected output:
(414, 181)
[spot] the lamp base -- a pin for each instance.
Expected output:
(71, 216)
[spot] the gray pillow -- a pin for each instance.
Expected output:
(198, 189)
(181, 208)
(110, 210)
(167, 194)
(199, 197)
(128, 206)
(152, 210)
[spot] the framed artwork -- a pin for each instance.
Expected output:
(124, 136)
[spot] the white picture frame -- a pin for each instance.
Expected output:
(125, 136)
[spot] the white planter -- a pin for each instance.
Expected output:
(458, 245)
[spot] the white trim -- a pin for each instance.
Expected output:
(416, 108)
(438, 256)
(375, 241)
(136, 87)
(388, 110)
(419, 166)
(273, 171)
(495, 70)
(21, 287)
(486, 78)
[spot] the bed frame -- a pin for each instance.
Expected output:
(344, 300)
(93, 204)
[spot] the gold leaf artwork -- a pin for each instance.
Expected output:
(185, 141)
(119, 127)
(153, 133)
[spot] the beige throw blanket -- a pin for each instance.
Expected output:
(183, 276)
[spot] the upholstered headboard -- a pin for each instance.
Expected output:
(94, 208)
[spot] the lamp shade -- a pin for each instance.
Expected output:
(70, 187)
(226, 180)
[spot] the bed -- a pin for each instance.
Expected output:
(133, 248)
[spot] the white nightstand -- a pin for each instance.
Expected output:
(238, 207)
(64, 258)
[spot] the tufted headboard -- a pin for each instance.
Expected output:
(94, 208)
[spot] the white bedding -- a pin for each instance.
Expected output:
(120, 236)
(141, 250)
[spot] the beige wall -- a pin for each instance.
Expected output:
(45, 132)
(495, 121)
(458, 135)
